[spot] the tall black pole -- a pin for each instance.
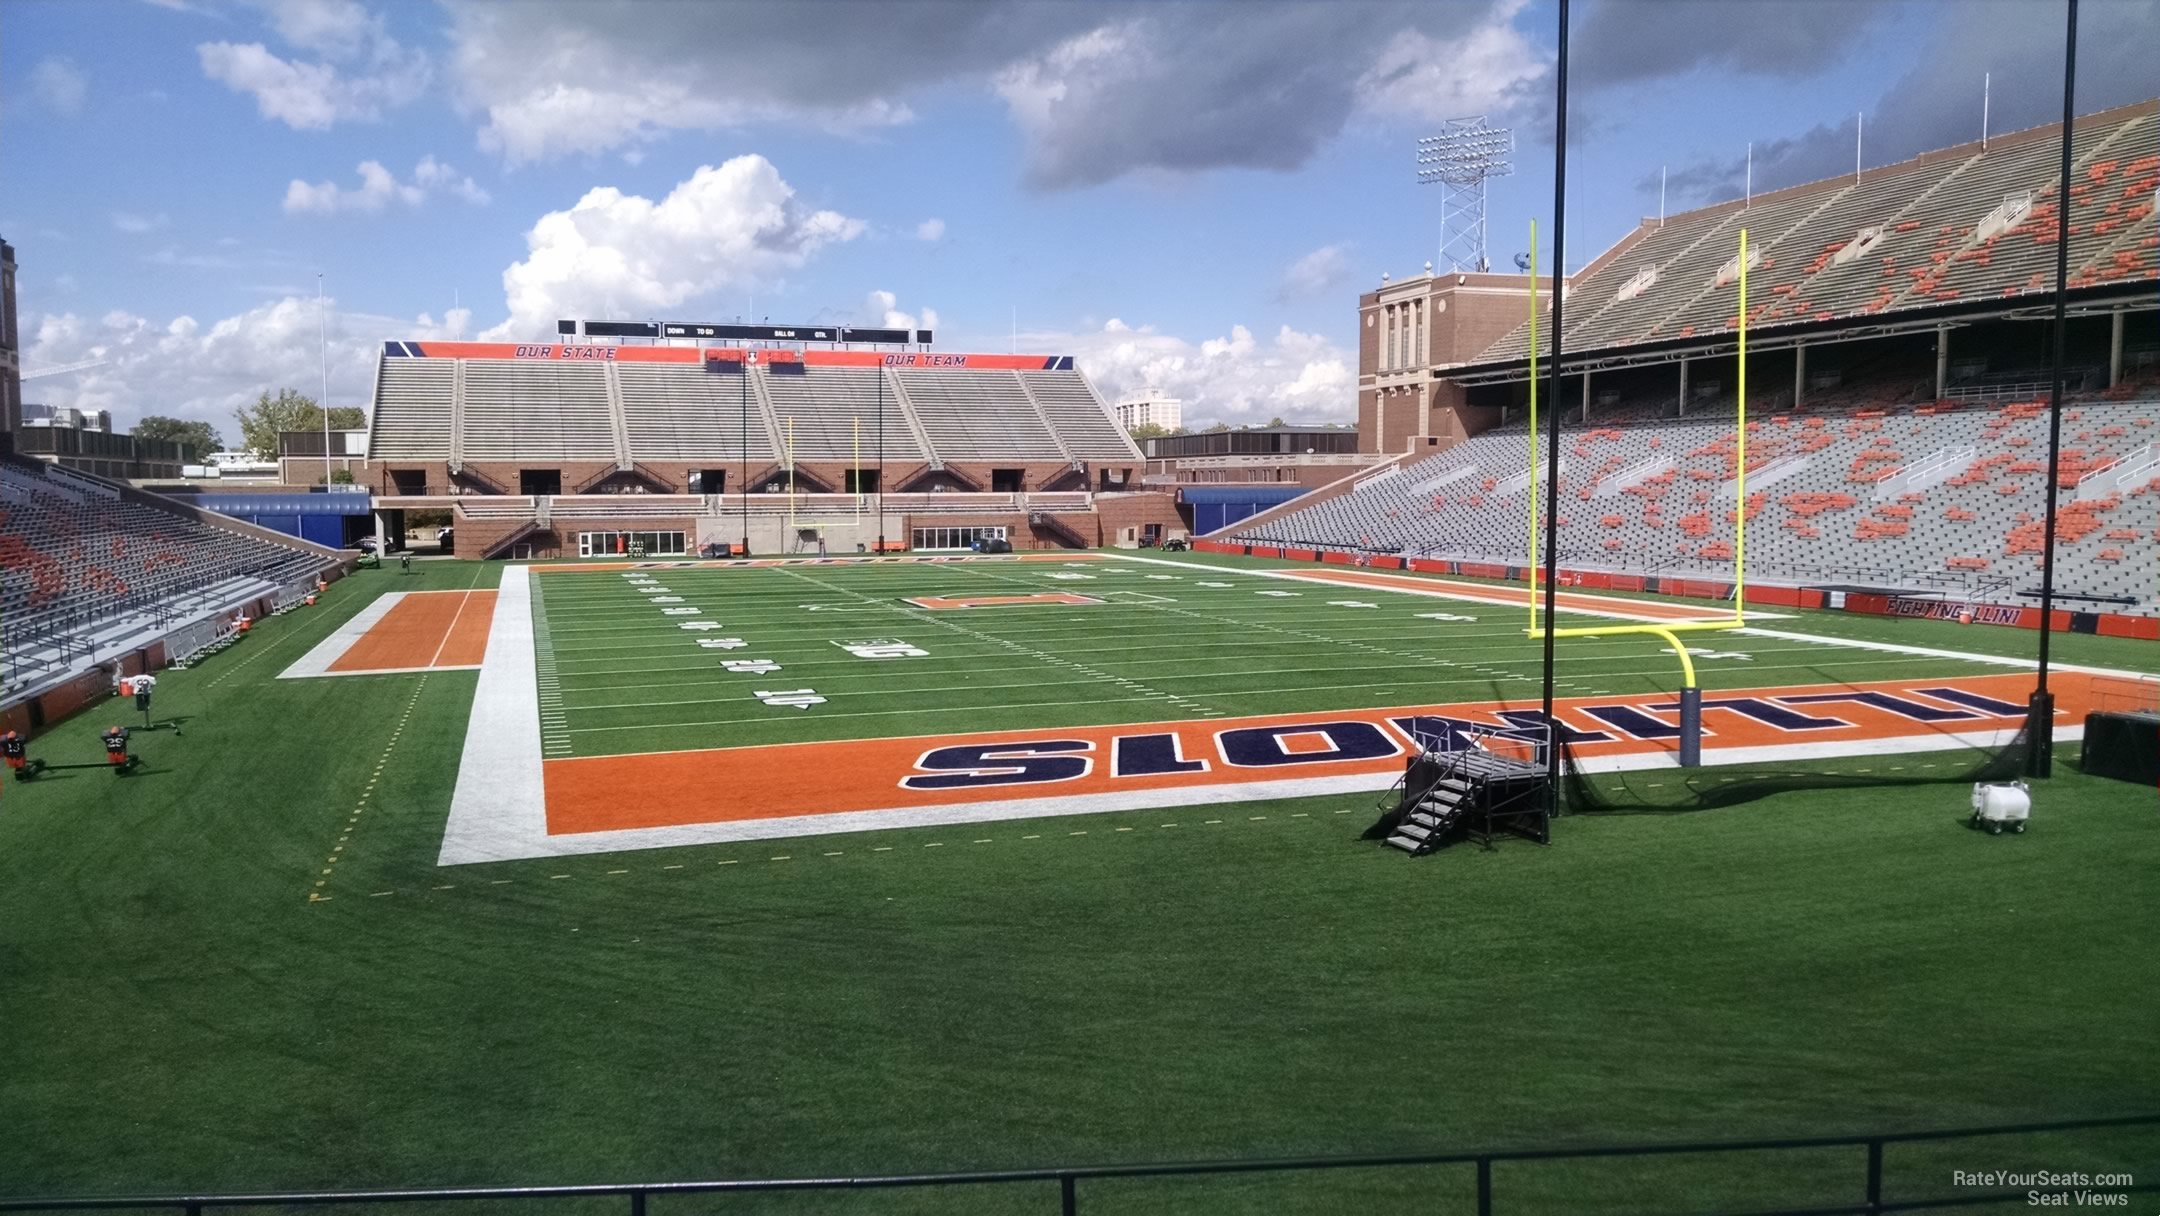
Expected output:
(1552, 429)
(880, 460)
(2040, 714)
(744, 488)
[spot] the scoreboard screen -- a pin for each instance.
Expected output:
(620, 329)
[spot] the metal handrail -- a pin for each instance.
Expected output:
(1068, 1177)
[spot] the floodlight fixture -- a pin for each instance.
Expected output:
(1467, 153)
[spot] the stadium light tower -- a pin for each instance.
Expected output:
(1460, 160)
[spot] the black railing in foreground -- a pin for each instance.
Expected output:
(1068, 1178)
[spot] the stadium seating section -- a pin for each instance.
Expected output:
(477, 409)
(83, 564)
(1965, 225)
(1945, 495)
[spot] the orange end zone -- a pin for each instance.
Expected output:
(732, 785)
(425, 630)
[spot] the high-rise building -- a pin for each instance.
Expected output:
(1150, 407)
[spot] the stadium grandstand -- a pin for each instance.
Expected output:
(578, 448)
(725, 764)
(97, 575)
(92, 571)
(1897, 429)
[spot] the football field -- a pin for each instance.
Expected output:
(1073, 884)
(653, 704)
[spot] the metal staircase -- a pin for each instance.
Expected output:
(1458, 788)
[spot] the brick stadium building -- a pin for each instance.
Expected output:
(1899, 345)
(567, 449)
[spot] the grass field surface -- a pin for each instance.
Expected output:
(1165, 641)
(1228, 980)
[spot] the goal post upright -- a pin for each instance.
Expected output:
(1533, 429)
(1690, 740)
(1740, 487)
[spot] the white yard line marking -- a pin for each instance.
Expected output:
(463, 604)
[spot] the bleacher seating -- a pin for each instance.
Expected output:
(1934, 495)
(412, 409)
(1935, 243)
(536, 410)
(677, 411)
(835, 412)
(1072, 408)
(979, 416)
(623, 412)
(82, 563)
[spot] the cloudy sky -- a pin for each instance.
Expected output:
(1187, 193)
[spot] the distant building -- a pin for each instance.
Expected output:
(34, 414)
(85, 441)
(1150, 408)
(1409, 332)
(1302, 455)
(300, 455)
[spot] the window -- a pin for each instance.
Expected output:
(954, 538)
(640, 544)
(1417, 352)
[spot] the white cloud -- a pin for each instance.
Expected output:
(1317, 273)
(431, 174)
(1236, 378)
(379, 187)
(932, 229)
(312, 96)
(185, 368)
(59, 85)
(555, 78)
(1431, 78)
(616, 254)
(884, 311)
(338, 28)
(136, 225)
(362, 71)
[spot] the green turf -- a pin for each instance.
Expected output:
(176, 1014)
(1167, 643)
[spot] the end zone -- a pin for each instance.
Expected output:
(404, 631)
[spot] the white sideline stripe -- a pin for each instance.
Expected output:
(1817, 639)
(500, 803)
(1438, 590)
(317, 662)
(393, 671)
(540, 844)
(1931, 652)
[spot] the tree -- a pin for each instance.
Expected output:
(1149, 430)
(289, 411)
(1277, 420)
(199, 436)
(1216, 429)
